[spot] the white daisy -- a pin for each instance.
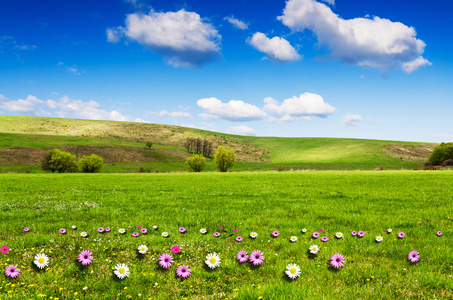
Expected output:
(203, 231)
(155, 227)
(253, 235)
(293, 239)
(73, 227)
(41, 260)
(83, 234)
(339, 235)
(379, 239)
(212, 260)
(293, 271)
(304, 230)
(142, 249)
(389, 230)
(165, 234)
(314, 249)
(122, 230)
(121, 271)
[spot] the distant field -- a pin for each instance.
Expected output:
(418, 203)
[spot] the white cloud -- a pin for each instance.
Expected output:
(351, 120)
(20, 105)
(372, 43)
(25, 47)
(234, 110)
(175, 114)
(183, 38)
(330, 2)
(236, 23)
(277, 49)
(299, 108)
(241, 130)
(73, 70)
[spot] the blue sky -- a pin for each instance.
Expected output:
(301, 68)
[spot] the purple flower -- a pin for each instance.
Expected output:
(220, 226)
(361, 234)
(239, 239)
(337, 260)
(401, 235)
(144, 231)
(165, 260)
(12, 271)
(62, 231)
(413, 256)
(182, 230)
(135, 234)
(216, 234)
(235, 230)
(439, 233)
(107, 229)
(320, 230)
(324, 239)
(256, 257)
(175, 249)
(100, 230)
(354, 233)
(85, 257)
(275, 234)
(138, 227)
(315, 235)
(4, 249)
(183, 271)
(26, 229)
(242, 256)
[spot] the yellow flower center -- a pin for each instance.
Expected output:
(143, 248)
(41, 260)
(122, 271)
(213, 260)
(314, 248)
(293, 271)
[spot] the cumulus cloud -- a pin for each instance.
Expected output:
(234, 110)
(277, 49)
(236, 23)
(330, 2)
(175, 114)
(241, 130)
(371, 43)
(351, 120)
(183, 38)
(21, 105)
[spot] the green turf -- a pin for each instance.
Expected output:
(417, 203)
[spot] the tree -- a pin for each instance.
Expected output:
(441, 153)
(224, 158)
(196, 163)
(91, 164)
(149, 144)
(45, 163)
(59, 161)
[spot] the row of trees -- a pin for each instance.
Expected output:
(64, 162)
(224, 159)
(199, 146)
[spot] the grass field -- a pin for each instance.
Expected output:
(418, 203)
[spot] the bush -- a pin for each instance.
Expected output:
(448, 163)
(59, 161)
(281, 168)
(441, 153)
(91, 164)
(45, 163)
(196, 163)
(149, 144)
(224, 158)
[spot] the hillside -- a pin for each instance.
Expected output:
(24, 140)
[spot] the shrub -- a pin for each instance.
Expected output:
(448, 163)
(281, 168)
(196, 163)
(441, 153)
(149, 144)
(224, 158)
(91, 164)
(59, 161)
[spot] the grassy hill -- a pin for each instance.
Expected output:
(24, 140)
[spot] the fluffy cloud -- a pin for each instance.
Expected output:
(241, 130)
(236, 23)
(351, 120)
(20, 105)
(299, 108)
(234, 110)
(372, 43)
(175, 114)
(330, 2)
(182, 38)
(277, 49)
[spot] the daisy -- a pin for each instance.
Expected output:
(275, 234)
(135, 234)
(413, 256)
(256, 257)
(242, 256)
(203, 231)
(389, 230)
(239, 239)
(183, 271)
(154, 227)
(337, 260)
(338, 235)
(83, 234)
(122, 230)
(315, 235)
(401, 235)
(314, 249)
(324, 239)
(439, 233)
(253, 235)
(165, 260)
(379, 239)
(62, 231)
(175, 249)
(354, 233)
(12, 271)
(216, 234)
(26, 229)
(182, 230)
(212, 260)
(361, 234)
(293, 271)
(165, 234)
(41, 260)
(4, 249)
(73, 227)
(142, 249)
(144, 231)
(293, 239)
(100, 230)
(304, 230)
(107, 229)
(121, 271)
(85, 257)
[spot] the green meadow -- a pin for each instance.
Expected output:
(418, 203)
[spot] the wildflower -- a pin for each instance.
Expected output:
(175, 249)
(41, 260)
(413, 256)
(165, 260)
(165, 234)
(379, 239)
(253, 235)
(293, 271)
(212, 260)
(203, 231)
(138, 227)
(439, 233)
(242, 256)
(62, 231)
(401, 235)
(154, 227)
(389, 230)
(26, 229)
(304, 230)
(216, 234)
(182, 230)
(320, 230)
(256, 257)
(85, 257)
(135, 234)
(122, 230)
(142, 249)
(337, 260)
(338, 235)
(100, 230)
(361, 234)
(220, 227)
(293, 239)
(235, 230)
(83, 234)
(12, 271)
(354, 233)
(324, 239)
(4, 249)
(314, 249)
(85, 288)
(107, 229)
(315, 235)
(239, 239)
(183, 271)
(144, 231)
(121, 271)
(275, 234)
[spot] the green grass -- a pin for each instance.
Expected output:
(417, 203)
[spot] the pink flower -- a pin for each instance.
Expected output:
(324, 239)
(320, 230)
(12, 271)
(361, 234)
(354, 233)
(85, 257)
(337, 260)
(107, 229)
(26, 229)
(144, 230)
(275, 234)
(139, 226)
(235, 230)
(220, 226)
(135, 234)
(182, 230)
(175, 249)
(239, 239)
(216, 234)
(401, 235)
(4, 249)
(413, 256)
(100, 230)
(439, 233)
(242, 256)
(315, 235)
(165, 260)
(183, 271)
(256, 257)
(62, 231)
